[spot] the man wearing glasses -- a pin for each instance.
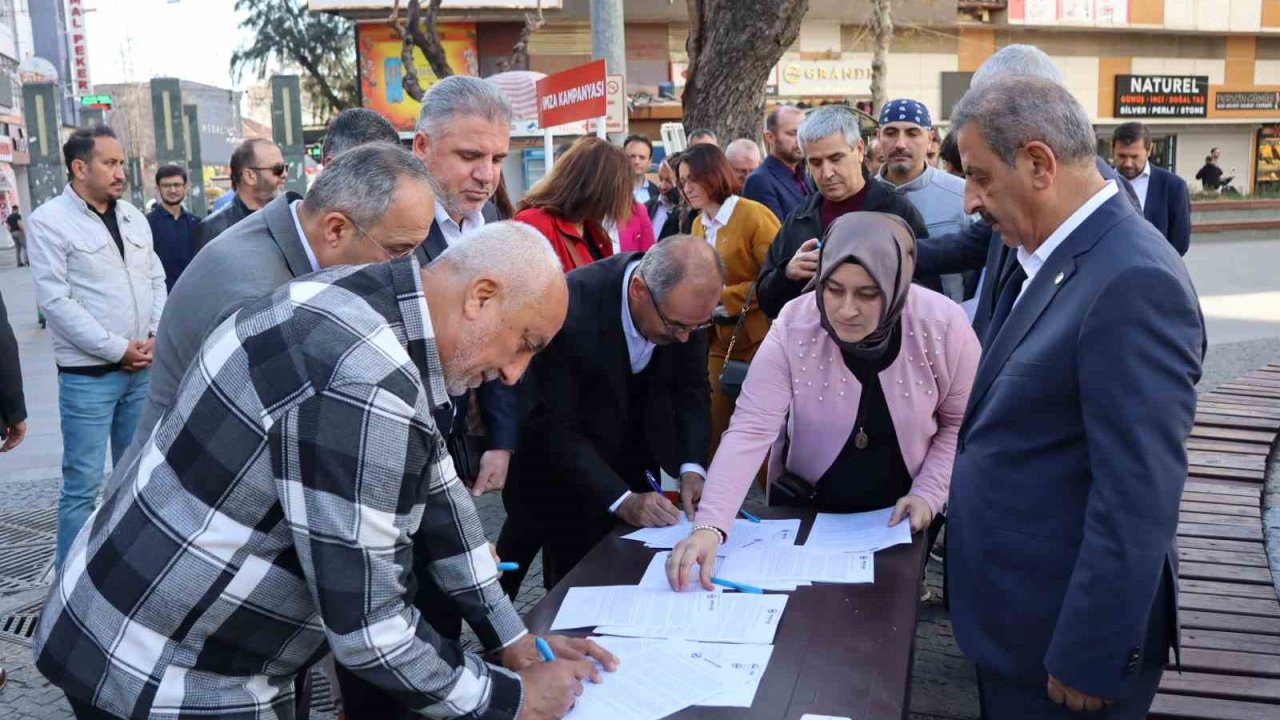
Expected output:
(619, 395)
(258, 172)
(173, 229)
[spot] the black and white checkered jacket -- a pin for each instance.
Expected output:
(269, 515)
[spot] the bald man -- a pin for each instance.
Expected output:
(780, 183)
(744, 158)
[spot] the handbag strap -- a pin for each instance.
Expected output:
(742, 318)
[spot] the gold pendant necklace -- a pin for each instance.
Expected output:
(860, 440)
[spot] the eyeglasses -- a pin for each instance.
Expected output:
(674, 327)
(390, 255)
(279, 169)
(172, 186)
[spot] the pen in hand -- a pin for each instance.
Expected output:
(544, 650)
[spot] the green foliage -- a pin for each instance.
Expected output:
(320, 47)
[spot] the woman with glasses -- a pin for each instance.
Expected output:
(588, 186)
(741, 231)
(868, 375)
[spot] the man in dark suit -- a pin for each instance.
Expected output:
(780, 183)
(258, 174)
(664, 208)
(622, 391)
(1071, 458)
(1165, 199)
(639, 150)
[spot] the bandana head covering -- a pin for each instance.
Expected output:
(885, 247)
(906, 110)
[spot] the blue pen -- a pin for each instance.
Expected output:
(508, 566)
(653, 482)
(544, 650)
(740, 587)
(748, 516)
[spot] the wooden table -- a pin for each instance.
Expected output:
(841, 650)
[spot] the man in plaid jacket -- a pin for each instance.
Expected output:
(270, 512)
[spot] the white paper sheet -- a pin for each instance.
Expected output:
(774, 565)
(651, 684)
(629, 605)
(718, 617)
(747, 663)
(744, 533)
(868, 531)
(655, 576)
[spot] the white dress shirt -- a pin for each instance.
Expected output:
(306, 244)
(452, 231)
(1141, 183)
(1032, 262)
(660, 215)
(641, 191)
(712, 225)
(640, 352)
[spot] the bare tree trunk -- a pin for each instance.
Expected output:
(520, 51)
(419, 31)
(882, 36)
(732, 46)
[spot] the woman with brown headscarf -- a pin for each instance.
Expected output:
(868, 375)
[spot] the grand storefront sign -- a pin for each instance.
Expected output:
(1151, 96)
(849, 75)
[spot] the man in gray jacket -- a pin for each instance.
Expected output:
(904, 136)
(101, 286)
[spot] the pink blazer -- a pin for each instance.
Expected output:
(799, 381)
(637, 234)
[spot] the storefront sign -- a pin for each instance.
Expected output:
(382, 71)
(850, 75)
(1246, 101)
(1140, 96)
(575, 94)
(79, 50)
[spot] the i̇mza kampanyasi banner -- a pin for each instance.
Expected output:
(382, 71)
(575, 94)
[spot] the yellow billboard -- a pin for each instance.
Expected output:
(382, 71)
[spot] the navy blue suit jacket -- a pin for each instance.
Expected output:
(1071, 461)
(1169, 208)
(774, 186)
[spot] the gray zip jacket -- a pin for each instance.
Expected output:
(95, 300)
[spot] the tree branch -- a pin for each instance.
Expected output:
(520, 51)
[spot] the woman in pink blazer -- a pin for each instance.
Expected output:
(636, 235)
(868, 375)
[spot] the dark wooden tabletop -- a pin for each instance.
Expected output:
(842, 650)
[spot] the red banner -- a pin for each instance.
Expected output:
(575, 94)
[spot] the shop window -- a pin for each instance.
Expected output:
(1268, 175)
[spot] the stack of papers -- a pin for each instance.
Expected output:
(743, 534)
(654, 682)
(867, 531)
(784, 567)
(631, 611)
(745, 664)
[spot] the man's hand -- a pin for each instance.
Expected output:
(804, 264)
(551, 688)
(691, 492)
(1074, 699)
(648, 509)
(13, 436)
(524, 652)
(916, 509)
(493, 472)
(699, 547)
(137, 356)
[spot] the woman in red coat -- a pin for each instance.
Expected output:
(588, 184)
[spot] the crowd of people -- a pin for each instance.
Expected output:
(302, 395)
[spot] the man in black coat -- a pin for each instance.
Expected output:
(13, 407)
(833, 151)
(621, 392)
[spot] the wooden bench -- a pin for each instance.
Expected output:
(1227, 597)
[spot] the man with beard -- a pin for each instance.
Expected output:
(258, 172)
(268, 521)
(1166, 202)
(620, 395)
(905, 134)
(173, 229)
(780, 183)
(100, 285)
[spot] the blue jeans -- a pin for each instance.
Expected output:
(93, 409)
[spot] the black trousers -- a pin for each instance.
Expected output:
(1004, 698)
